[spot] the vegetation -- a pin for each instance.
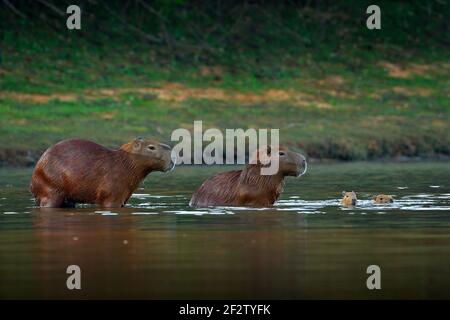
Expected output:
(310, 68)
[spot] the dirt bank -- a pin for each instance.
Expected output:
(28, 158)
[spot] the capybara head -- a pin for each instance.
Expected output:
(383, 198)
(290, 163)
(154, 154)
(348, 198)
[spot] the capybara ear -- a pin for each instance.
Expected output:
(137, 144)
(264, 154)
(343, 193)
(261, 156)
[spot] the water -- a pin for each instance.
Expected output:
(307, 246)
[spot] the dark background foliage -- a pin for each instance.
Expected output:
(310, 68)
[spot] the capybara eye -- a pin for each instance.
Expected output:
(151, 147)
(281, 153)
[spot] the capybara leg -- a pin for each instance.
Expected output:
(51, 202)
(106, 200)
(68, 204)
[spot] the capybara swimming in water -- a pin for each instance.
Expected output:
(81, 171)
(348, 198)
(383, 198)
(248, 187)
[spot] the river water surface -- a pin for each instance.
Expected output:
(307, 246)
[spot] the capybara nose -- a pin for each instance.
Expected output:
(353, 202)
(303, 166)
(165, 146)
(170, 167)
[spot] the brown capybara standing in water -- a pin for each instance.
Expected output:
(383, 198)
(248, 187)
(348, 198)
(81, 171)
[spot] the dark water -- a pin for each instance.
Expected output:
(308, 246)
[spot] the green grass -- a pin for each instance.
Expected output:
(342, 100)
(351, 128)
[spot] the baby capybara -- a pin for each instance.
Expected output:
(248, 187)
(81, 171)
(383, 198)
(348, 198)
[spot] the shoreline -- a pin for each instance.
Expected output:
(26, 158)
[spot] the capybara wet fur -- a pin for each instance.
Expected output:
(383, 198)
(81, 171)
(348, 198)
(248, 187)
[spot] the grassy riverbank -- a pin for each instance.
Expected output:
(332, 87)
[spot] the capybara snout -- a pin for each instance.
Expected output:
(299, 163)
(294, 165)
(158, 154)
(290, 163)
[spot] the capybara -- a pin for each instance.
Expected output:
(81, 171)
(248, 187)
(348, 198)
(383, 198)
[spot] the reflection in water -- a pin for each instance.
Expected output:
(307, 246)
